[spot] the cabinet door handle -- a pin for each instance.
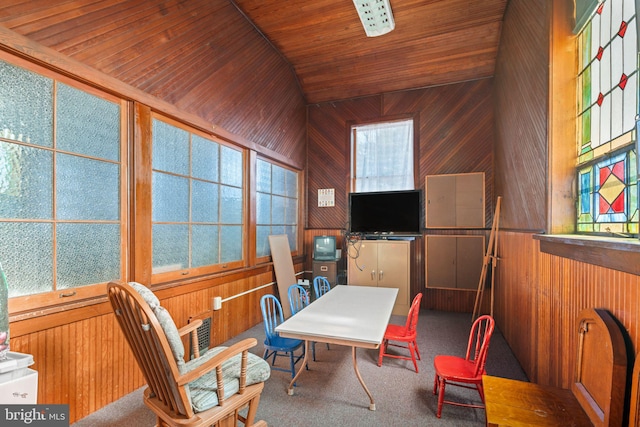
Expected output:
(373, 275)
(381, 275)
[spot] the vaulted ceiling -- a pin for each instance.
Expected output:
(435, 42)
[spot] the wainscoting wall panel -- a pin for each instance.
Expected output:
(539, 298)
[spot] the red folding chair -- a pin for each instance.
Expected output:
(465, 372)
(404, 334)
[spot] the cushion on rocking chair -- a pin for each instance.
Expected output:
(202, 391)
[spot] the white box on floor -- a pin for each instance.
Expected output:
(22, 390)
(18, 383)
(14, 366)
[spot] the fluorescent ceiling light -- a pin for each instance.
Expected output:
(376, 16)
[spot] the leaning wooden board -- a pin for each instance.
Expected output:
(283, 266)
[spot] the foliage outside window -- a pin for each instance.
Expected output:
(607, 171)
(382, 156)
(276, 205)
(197, 200)
(61, 181)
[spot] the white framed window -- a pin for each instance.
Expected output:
(382, 156)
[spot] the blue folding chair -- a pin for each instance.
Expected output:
(299, 299)
(320, 286)
(274, 344)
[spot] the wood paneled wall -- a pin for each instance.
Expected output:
(455, 135)
(521, 107)
(83, 360)
(201, 56)
(539, 297)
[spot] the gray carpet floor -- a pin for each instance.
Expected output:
(329, 394)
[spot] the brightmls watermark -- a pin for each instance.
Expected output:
(34, 415)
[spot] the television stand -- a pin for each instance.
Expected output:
(332, 270)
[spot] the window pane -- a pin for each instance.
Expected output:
(279, 229)
(205, 245)
(291, 211)
(205, 159)
(26, 176)
(291, 233)
(26, 107)
(87, 124)
(231, 240)
(27, 257)
(383, 156)
(263, 176)
(231, 172)
(291, 182)
(170, 198)
(204, 204)
(231, 206)
(277, 210)
(170, 247)
(277, 181)
(262, 240)
(87, 189)
(170, 148)
(263, 208)
(87, 253)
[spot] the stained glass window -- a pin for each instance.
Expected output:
(607, 110)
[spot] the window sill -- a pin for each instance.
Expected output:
(610, 252)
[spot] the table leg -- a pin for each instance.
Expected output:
(372, 405)
(302, 367)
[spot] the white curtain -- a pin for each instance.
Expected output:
(383, 156)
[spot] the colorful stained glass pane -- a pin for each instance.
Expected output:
(613, 189)
(607, 109)
(585, 192)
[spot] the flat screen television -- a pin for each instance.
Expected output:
(324, 248)
(386, 213)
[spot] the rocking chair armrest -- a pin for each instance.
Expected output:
(190, 327)
(216, 362)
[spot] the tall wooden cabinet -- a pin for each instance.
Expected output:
(453, 261)
(454, 201)
(383, 263)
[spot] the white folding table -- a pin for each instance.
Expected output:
(355, 316)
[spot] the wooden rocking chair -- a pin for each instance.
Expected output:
(209, 390)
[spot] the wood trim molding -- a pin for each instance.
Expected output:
(34, 321)
(609, 252)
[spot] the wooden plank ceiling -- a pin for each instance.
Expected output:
(435, 42)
